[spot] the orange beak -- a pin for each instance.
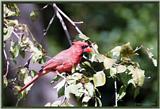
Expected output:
(88, 50)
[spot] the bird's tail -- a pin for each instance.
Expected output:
(41, 73)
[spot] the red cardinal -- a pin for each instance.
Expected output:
(63, 62)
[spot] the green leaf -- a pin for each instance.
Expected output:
(33, 73)
(99, 79)
(127, 50)
(55, 78)
(125, 78)
(5, 81)
(122, 92)
(14, 49)
(61, 91)
(10, 9)
(22, 53)
(136, 91)
(60, 85)
(7, 32)
(27, 79)
(151, 56)
(34, 15)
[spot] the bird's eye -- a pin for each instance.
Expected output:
(85, 46)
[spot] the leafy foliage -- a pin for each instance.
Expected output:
(23, 44)
(85, 79)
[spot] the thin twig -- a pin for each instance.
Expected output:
(7, 67)
(63, 24)
(28, 61)
(116, 96)
(50, 22)
(16, 34)
(61, 12)
(115, 88)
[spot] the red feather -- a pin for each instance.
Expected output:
(62, 62)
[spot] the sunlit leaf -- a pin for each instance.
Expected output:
(122, 92)
(86, 99)
(113, 72)
(99, 79)
(55, 103)
(26, 80)
(10, 9)
(108, 62)
(137, 75)
(47, 104)
(77, 90)
(84, 37)
(100, 57)
(121, 68)
(12, 23)
(14, 49)
(99, 101)
(115, 52)
(60, 85)
(90, 88)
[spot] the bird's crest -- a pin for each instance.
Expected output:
(80, 43)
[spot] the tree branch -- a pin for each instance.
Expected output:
(50, 22)
(73, 23)
(7, 67)
(116, 96)
(63, 24)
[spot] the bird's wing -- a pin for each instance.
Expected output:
(52, 64)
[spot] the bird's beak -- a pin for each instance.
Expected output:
(88, 50)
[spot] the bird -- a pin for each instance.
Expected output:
(63, 61)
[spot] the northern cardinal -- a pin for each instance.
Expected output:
(62, 62)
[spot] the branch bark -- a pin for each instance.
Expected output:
(63, 24)
(116, 96)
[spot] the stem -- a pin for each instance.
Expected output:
(7, 67)
(63, 24)
(73, 23)
(116, 96)
(28, 61)
(15, 34)
(50, 22)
